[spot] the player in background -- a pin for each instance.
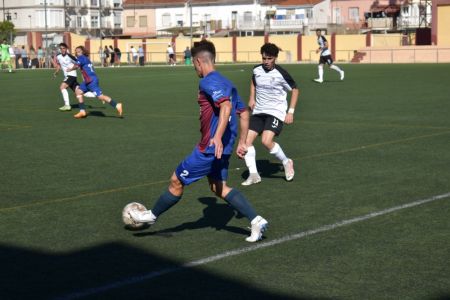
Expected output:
(90, 83)
(65, 61)
(325, 57)
(268, 91)
(220, 109)
(6, 58)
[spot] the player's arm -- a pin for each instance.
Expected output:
(57, 68)
(244, 119)
(292, 104)
(251, 100)
(224, 116)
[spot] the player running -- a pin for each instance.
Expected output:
(6, 57)
(220, 107)
(325, 57)
(268, 91)
(65, 61)
(90, 83)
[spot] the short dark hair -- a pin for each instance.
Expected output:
(63, 45)
(204, 46)
(270, 49)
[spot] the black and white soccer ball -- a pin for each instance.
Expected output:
(126, 217)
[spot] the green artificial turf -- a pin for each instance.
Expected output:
(379, 139)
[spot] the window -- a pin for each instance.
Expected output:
(405, 10)
(248, 16)
(142, 21)
(79, 22)
(94, 21)
(130, 21)
(94, 2)
(116, 3)
(309, 13)
(118, 20)
(166, 20)
(353, 14)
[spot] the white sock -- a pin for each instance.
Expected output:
(89, 95)
(321, 72)
(65, 95)
(250, 160)
(278, 152)
(336, 68)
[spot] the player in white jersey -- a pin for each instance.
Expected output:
(325, 57)
(268, 92)
(65, 61)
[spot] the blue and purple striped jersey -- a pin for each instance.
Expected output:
(87, 69)
(213, 90)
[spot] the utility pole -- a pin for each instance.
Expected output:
(3, 10)
(190, 18)
(46, 26)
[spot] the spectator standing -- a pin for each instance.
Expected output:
(171, 55)
(41, 57)
(141, 55)
(17, 54)
(134, 55)
(118, 55)
(106, 57)
(113, 56)
(187, 56)
(24, 57)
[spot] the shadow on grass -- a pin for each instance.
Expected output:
(266, 169)
(114, 271)
(215, 215)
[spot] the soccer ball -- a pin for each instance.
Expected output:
(129, 222)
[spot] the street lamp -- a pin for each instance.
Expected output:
(29, 16)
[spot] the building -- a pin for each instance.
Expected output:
(90, 17)
(223, 18)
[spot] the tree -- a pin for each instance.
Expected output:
(7, 31)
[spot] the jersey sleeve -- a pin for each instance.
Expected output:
(289, 83)
(216, 90)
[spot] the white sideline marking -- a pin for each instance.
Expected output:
(261, 245)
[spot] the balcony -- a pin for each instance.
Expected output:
(253, 24)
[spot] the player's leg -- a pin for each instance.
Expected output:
(256, 126)
(239, 202)
(95, 88)
(273, 127)
(9, 65)
(320, 71)
(334, 67)
(194, 167)
(110, 101)
(65, 94)
(81, 89)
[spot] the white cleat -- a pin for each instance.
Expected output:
(145, 216)
(342, 75)
(252, 179)
(289, 170)
(318, 80)
(65, 108)
(259, 226)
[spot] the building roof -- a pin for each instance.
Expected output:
(178, 3)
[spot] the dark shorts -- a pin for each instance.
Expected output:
(198, 165)
(72, 82)
(261, 122)
(171, 55)
(326, 60)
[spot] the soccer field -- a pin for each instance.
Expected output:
(366, 217)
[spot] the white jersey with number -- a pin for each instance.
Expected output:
(66, 62)
(321, 41)
(271, 89)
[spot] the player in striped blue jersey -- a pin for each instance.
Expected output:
(325, 57)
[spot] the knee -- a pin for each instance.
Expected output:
(268, 143)
(175, 187)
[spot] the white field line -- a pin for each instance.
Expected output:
(261, 245)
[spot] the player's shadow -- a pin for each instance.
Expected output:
(76, 106)
(215, 215)
(266, 169)
(96, 113)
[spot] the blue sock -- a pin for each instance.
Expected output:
(81, 106)
(113, 103)
(238, 201)
(165, 201)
